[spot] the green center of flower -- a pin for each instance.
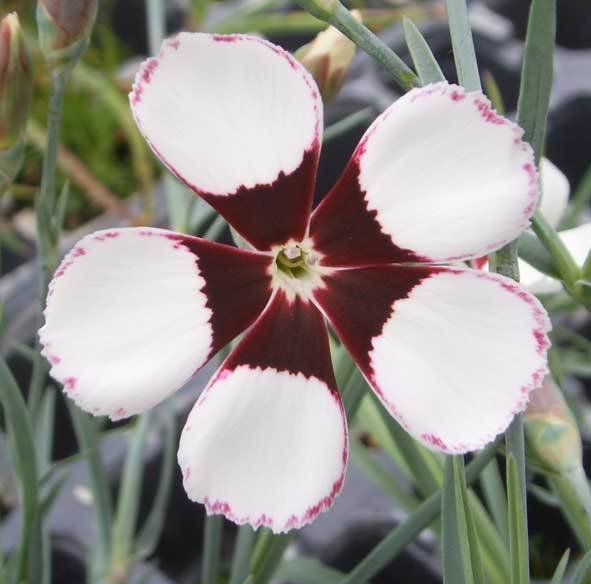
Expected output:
(292, 261)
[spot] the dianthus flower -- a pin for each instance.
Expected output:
(451, 352)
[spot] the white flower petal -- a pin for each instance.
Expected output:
(266, 443)
(439, 176)
(133, 313)
(452, 353)
(239, 120)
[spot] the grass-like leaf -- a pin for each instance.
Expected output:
(424, 61)
(22, 445)
(149, 534)
(241, 558)
(89, 443)
(518, 541)
(463, 45)
(558, 577)
(537, 74)
(582, 574)
(461, 556)
(307, 571)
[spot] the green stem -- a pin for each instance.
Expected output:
(333, 12)
(241, 558)
(211, 549)
(518, 536)
(575, 500)
(402, 535)
(46, 202)
(374, 46)
(566, 266)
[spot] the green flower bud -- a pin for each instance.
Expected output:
(553, 438)
(328, 58)
(64, 28)
(16, 82)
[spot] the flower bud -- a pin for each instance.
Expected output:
(64, 28)
(328, 58)
(553, 438)
(16, 83)
(16, 86)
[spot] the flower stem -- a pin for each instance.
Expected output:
(575, 500)
(211, 549)
(333, 12)
(46, 202)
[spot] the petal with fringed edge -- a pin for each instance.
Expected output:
(239, 121)
(439, 176)
(133, 313)
(266, 443)
(452, 353)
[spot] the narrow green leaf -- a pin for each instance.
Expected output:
(270, 560)
(45, 429)
(353, 392)
(242, 550)
(422, 517)
(582, 574)
(461, 555)
(424, 61)
(307, 571)
(494, 93)
(495, 496)
(565, 265)
(149, 534)
(22, 441)
(347, 124)
(211, 549)
(463, 45)
(457, 566)
(558, 577)
(377, 474)
(537, 74)
(88, 442)
(518, 541)
(130, 490)
(425, 478)
(536, 254)
(579, 202)
(51, 495)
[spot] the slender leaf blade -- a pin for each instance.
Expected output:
(423, 59)
(582, 574)
(463, 45)
(518, 540)
(558, 577)
(22, 440)
(537, 74)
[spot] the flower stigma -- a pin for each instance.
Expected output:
(296, 270)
